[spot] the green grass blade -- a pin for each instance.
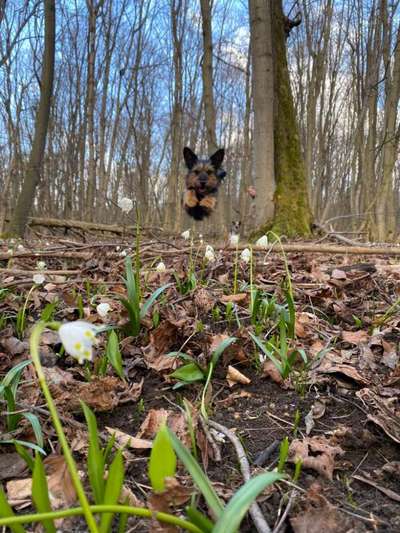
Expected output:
(115, 480)
(199, 519)
(15, 372)
(37, 428)
(40, 493)
(134, 316)
(267, 353)
(23, 453)
(231, 517)
(114, 355)
(149, 302)
(12, 418)
(6, 511)
(198, 476)
(95, 460)
(162, 461)
(189, 373)
(222, 346)
(25, 443)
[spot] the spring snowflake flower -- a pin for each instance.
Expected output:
(233, 239)
(123, 253)
(186, 234)
(38, 279)
(161, 267)
(262, 242)
(103, 309)
(41, 265)
(209, 254)
(78, 339)
(245, 255)
(125, 204)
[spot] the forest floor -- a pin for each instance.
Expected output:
(339, 406)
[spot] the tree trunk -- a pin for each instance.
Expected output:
(292, 211)
(26, 198)
(263, 99)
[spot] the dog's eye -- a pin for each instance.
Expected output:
(210, 172)
(197, 172)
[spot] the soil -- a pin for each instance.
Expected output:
(347, 312)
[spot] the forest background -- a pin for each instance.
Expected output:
(132, 85)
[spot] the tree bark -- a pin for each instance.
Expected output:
(26, 198)
(263, 101)
(292, 212)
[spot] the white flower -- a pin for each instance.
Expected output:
(210, 254)
(233, 239)
(41, 265)
(102, 309)
(38, 279)
(245, 255)
(123, 253)
(78, 338)
(201, 238)
(125, 204)
(262, 242)
(186, 234)
(20, 248)
(161, 267)
(117, 248)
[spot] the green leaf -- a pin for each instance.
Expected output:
(199, 519)
(6, 511)
(40, 493)
(12, 418)
(149, 302)
(189, 373)
(222, 346)
(181, 355)
(14, 375)
(231, 517)
(197, 474)
(267, 353)
(283, 454)
(162, 462)
(115, 480)
(37, 428)
(134, 315)
(23, 453)
(25, 443)
(95, 460)
(114, 355)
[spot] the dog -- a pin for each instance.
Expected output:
(202, 182)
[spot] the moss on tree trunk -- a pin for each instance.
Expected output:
(292, 211)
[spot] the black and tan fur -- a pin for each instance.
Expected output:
(202, 182)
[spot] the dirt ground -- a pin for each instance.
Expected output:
(340, 410)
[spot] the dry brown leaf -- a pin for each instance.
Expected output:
(204, 300)
(315, 453)
(384, 409)
(152, 423)
(161, 341)
(125, 440)
(319, 515)
(59, 481)
(338, 274)
(270, 370)
(101, 394)
(355, 337)
(11, 465)
(236, 298)
(234, 377)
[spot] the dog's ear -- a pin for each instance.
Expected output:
(189, 157)
(217, 158)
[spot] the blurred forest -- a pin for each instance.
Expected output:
(136, 81)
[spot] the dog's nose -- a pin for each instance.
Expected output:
(203, 179)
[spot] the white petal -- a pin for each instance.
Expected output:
(102, 309)
(186, 234)
(161, 267)
(38, 279)
(78, 338)
(245, 255)
(262, 242)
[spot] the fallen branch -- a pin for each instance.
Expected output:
(255, 511)
(314, 248)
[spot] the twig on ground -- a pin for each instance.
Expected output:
(263, 457)
(293, 494)
(211, 441)
(255, 511)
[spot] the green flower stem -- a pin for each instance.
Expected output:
(34, 346)
(118, 509)
(251, 280)
(235, 272)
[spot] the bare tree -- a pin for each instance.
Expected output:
(26, 198)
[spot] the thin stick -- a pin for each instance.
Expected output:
(255, 511)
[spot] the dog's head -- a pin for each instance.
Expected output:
(204, 175)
